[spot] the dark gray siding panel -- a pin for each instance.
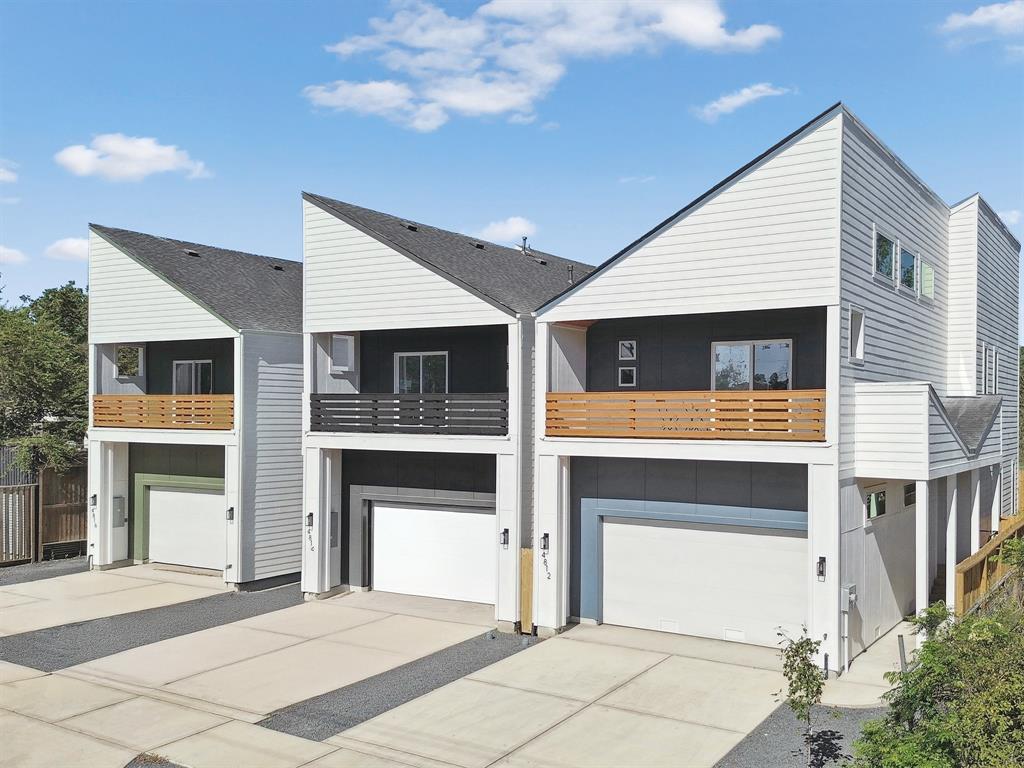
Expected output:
(160, 357)
(477, 356)
(674, 352)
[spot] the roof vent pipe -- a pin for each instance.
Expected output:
(570, 270)
(524, 247)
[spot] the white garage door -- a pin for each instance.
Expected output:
(725, 583)
(434, 552)
(186, 527)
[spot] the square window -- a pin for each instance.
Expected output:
(908, 269)
(128, 362)
(885, 256)
(875, 504)
(927, 280)
(909, 494)
(342, 353)
(627, 377)
(856, 351)
(627, 350)
(739, 365)
(421, 373)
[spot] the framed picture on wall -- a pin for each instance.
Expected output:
(627, 377)
(627, 350)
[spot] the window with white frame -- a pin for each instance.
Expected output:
(989, 369)
(739, 365)
(627, 376)
(927, 280)
(343, 346)
(874, 502)
(128, 361)
(856, 351)
(908, 270)
(909, 495)
(421, 372)
(885, 255)
(193, 377)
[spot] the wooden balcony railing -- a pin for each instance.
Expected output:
(451, 413)
(981, 572)
(745, 415)
(164, 411)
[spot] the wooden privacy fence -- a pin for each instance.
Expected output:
(17, 523)
(62, 512)
(983, 570)
(722, 415)
(443, 413)
(164, 411)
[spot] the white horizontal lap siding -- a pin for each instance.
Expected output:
(998, 308)
(766, 240)
(890, 432)
(905, 337)
(354, 282)
(963, 299)
(272, 452)
(127, 302)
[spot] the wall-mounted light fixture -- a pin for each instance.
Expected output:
(545, 543)
(821, 569)
(309, 520)
(231, 513)
(503, 538)
(92, 500)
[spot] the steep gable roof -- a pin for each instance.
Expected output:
(506, 276)
(246, 291)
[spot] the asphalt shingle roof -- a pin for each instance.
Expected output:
(247, 291)
(520, 282)
(972, 417)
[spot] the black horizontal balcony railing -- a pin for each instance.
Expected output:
(439, 414)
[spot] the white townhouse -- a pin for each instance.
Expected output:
(195, 392)
(418, 422)
(791, 403)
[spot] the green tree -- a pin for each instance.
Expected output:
(44, 376)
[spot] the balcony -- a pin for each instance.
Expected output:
(792, 415)
(164, 411)
(437, 414)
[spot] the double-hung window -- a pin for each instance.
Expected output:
(421, 372)
(908, 270)
(739, 365)
(989, 369)
(193, 377)
(885, 256)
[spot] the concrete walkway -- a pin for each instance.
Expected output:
(864, 684)
(33, 605)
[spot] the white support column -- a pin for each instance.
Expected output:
(235, 570)
(506, 604)
(96, 493)
(951, 537)
(823, 613)
(922, 566)
(550, 563)
(314, 524)
(833, 356)
(997, 499)
(975, 510)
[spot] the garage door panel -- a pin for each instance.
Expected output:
(723, 583)
(186, 527)
(431, 551)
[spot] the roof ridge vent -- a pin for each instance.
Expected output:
(478, 245)
(542, 262)
(410, 226)
(190, 252)
(277, 267)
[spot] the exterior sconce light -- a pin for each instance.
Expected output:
(821, 569)
(503, 538)
(309, 520)
(545, 543)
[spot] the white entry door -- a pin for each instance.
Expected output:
(187, 527)
(447, 552)
(713, 581)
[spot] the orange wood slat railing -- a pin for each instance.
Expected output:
(979, 573)
(745, 415)
(164, 411)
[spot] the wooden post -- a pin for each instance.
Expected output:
(526, 591)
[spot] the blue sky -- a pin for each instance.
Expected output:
(204, 121)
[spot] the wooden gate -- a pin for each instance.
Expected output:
(62, 513)
(17, 523)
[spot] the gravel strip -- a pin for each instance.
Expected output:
(331, 713)
(48, 569)
(55, 648)
(778, 741)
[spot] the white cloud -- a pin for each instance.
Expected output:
(7, 173)
(994, 19)
(9, 200)
(69, 249)
(512, 229)
(635, 179)
(730, 102)
(507, 55)
(117, 157)
(1011, 217)
(11, 256)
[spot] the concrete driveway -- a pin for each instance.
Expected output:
(595, 696)
(33, 605)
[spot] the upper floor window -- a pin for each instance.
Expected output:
(128, 362)
(989, 369)
(927, 278)
(740, 365)
(908, 269)
(193, 377)
(421, 372)
(342, 353)
(856, 351)
(885, 255)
